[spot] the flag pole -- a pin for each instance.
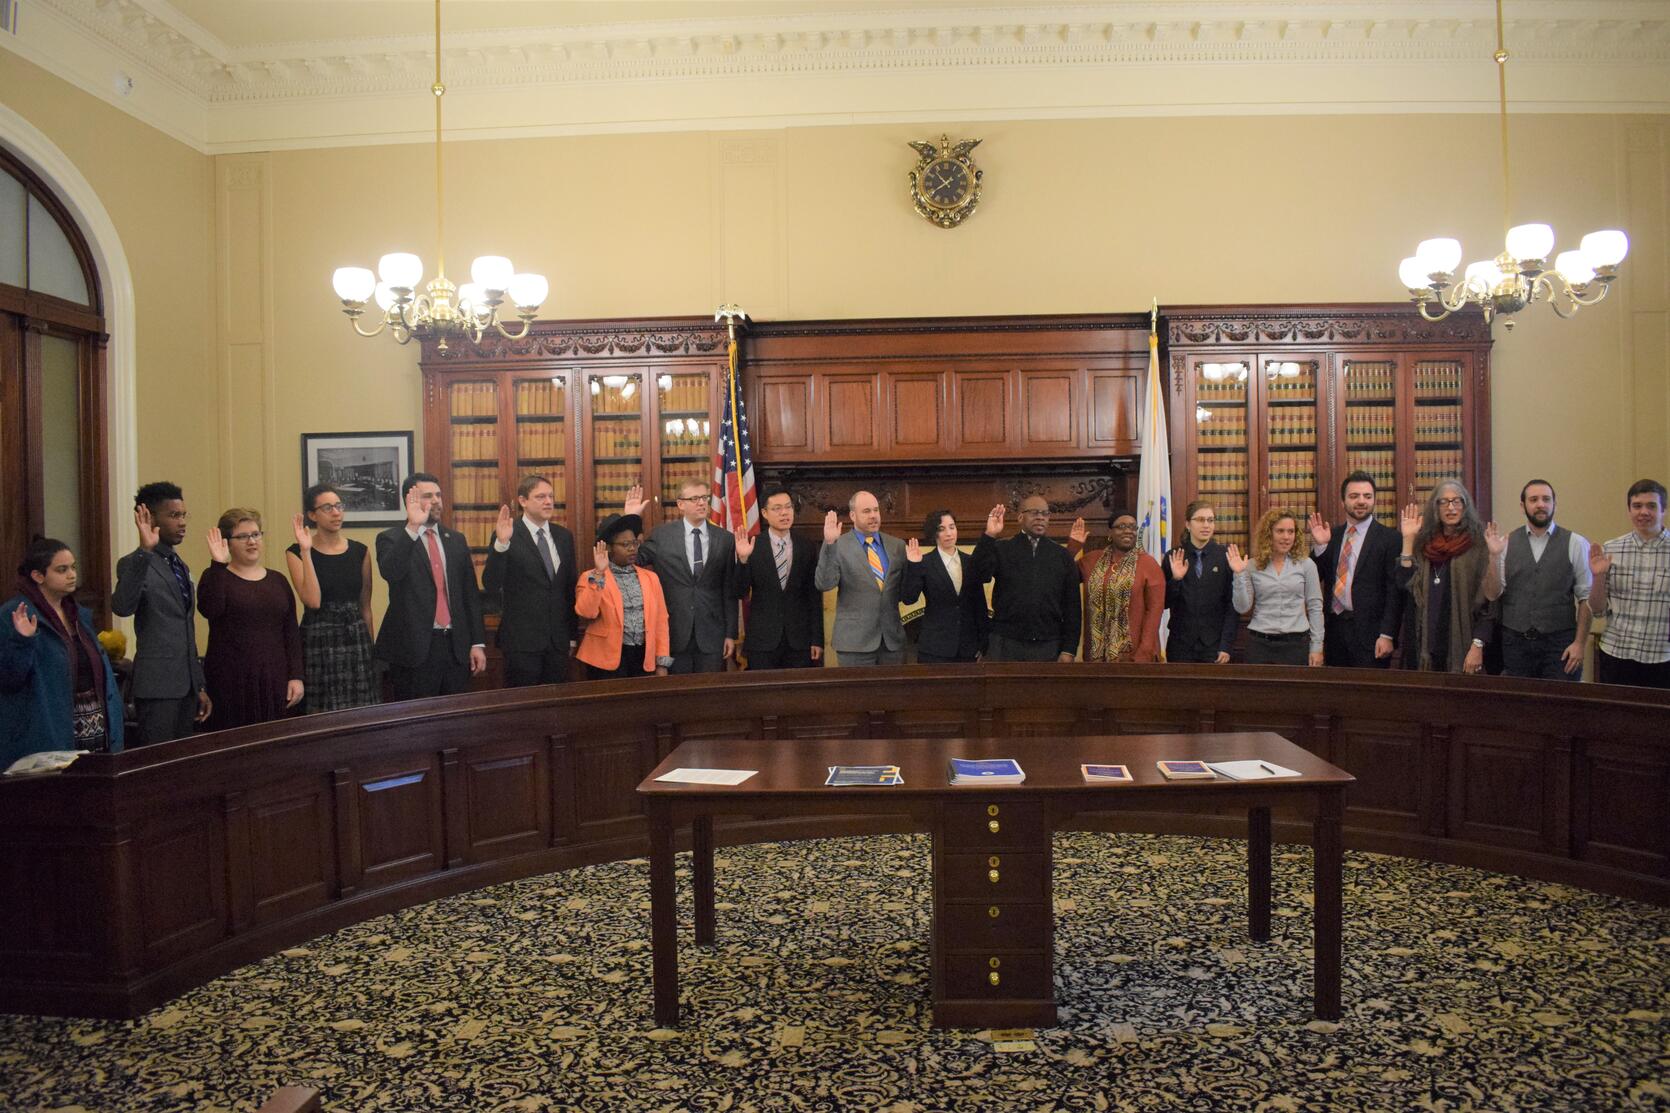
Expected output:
(730, 313)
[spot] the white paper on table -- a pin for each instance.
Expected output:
(709, 776)
(1252, 770)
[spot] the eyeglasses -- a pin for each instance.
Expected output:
(1205, 521)
(1450, 502)
(695, 498)
(624, 544)
(255, 536)
(329, 506)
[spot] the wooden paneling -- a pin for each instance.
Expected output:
(182, 884)
(291, 847)
(400, 824)
(1622, 801)
(509, 809)
(1048, 409)
(606, 776)
(58, 934)
(916, 408)
(1115, 411)
(1496, 789)
(782, 424)
(983, 423)
(850, 421)
(1389, 753)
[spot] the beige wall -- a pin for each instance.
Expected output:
(814, 222)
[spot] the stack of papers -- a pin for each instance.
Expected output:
(707, 776)
(994, 771)
(1110, 774)
(1252, 770)
(1185, 770)
(864, 775)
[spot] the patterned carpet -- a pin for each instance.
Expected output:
(1463, 991)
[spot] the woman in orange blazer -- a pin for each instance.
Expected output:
(627, 632)
(1125, 593)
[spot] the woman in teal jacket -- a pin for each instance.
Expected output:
(57, 690)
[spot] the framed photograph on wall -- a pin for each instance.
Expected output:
(365, 468)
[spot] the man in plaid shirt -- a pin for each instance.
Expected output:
(1632, 588)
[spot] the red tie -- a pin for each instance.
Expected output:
(443, 612)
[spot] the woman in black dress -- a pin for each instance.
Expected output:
(333, 577)
(253, 666)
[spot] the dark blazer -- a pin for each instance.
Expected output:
(403, 639)
(953, 625)
(777, 613)
(165, 661)
(1376, 600)
(1202, 613)
(703, 605)
(536, 612)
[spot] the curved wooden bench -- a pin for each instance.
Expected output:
(132, 877)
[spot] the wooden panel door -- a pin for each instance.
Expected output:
(849, 421)
(1049, 403)
(781, 419)
(983, 410)
(1114, 412)
(915, 413)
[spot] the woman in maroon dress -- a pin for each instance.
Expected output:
(253, 667)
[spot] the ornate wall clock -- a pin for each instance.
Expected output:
(945, 186)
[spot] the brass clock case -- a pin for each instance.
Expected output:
(945, 184)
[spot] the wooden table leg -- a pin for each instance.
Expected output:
(701, 877)
(1258, 874)
(663, 915)
(1328, 884)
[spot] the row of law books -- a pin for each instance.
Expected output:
(476, 485)
(543, 441)
(676, 475)
(611, 439)
(1370, 382)
(1437, 380)
(1371, 424)
(1220, 471)
(475, 442)
(1380, 463)
(1224, 429)
(539, 399)
(1292, 469)
(1294, 388)
(474, 399)
(1292, 426)
(476, 526)
(612, 482)
(1438, 423)
(1434, 465)
(684, 393)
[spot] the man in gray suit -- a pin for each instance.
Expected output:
(867, 567)
(693, 560)
(154, 586)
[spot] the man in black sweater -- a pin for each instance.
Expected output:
(1036, 613)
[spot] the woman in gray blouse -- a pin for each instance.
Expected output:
(1280, 593)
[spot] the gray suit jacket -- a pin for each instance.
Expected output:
(865, 619)
(706, 604)
(165, 661)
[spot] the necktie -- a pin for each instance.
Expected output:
(182, 578)
(1342, 591)
(954, 566)
(782, 547)
(872, 552)
(1034, 541)
(1200, 563)
(545, 554)
(696, 558)
(437, 571)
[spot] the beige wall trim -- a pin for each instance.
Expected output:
(249, 468)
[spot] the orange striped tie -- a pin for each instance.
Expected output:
(1342, 596)
(872, 549)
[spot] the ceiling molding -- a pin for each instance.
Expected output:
(1579, 55)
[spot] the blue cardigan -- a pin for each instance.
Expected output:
(35, 696)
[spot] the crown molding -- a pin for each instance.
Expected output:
(1058, 61)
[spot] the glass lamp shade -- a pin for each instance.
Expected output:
(1412, 273)
(1482, 275)
(353, 283)
(527, 291)
(384, 296)
(474, 295)
(1530, 241)
(1439, 256)
(1605, 249)
(400, 269)
(492, 272)
(1574, 268)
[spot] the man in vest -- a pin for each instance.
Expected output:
(1545, 594)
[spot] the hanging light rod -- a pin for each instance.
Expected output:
(1519, 276)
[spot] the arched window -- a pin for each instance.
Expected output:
(53, 463)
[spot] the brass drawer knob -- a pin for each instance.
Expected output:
(994, 912)
(994, 978)
(994, 861)
(994, 963)
(991, 809)
(993, 875)
(992, 826)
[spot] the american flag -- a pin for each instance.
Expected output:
(735, 499)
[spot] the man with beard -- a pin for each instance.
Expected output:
(1545, 597)
(1036, 612)
(1357, 561)
(432, 634)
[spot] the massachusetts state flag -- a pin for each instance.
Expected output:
(735, 501)
(1154, 480)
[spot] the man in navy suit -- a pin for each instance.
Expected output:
(432, 635)
(785, 622)
(531, 574)
(1357, 563)
(693, 558)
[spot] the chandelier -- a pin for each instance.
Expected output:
(1520, 275)
(442, 311)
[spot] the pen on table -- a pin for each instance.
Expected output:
(1267, 768)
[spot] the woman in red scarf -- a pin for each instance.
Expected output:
(57, 691)
(1451, 568)
(1125, 592)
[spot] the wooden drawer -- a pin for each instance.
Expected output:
(969, 927)
(1018, 975)
(995, 878)
(991, 821)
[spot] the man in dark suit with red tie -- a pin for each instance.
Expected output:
(432, 635)
(785, 621)
(1362, 607)
(530, 575)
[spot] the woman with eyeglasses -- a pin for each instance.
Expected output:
(1280, 592)
(1124, 593)
(1451, 567)
(332, 575)
(253, 666)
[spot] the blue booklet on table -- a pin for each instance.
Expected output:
(864, 775)
(991, 771)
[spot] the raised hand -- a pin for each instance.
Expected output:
(1179, 564)
(219, 551)
(24, 622)
(1496, 539)
(304, 536)
(1320, 531)
(1410, 522)
(913, 551)
(1600, 561)
(635, 502)
(1078, 531)
(994, 520)
(293, 690)
(600, 557)
(149, 535)
(744, 545)
(504, 527)
(831, 528)
(1237, 562)
(417, 515)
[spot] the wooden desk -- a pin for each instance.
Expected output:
(993, 921)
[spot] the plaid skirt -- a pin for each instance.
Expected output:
(336, 655)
